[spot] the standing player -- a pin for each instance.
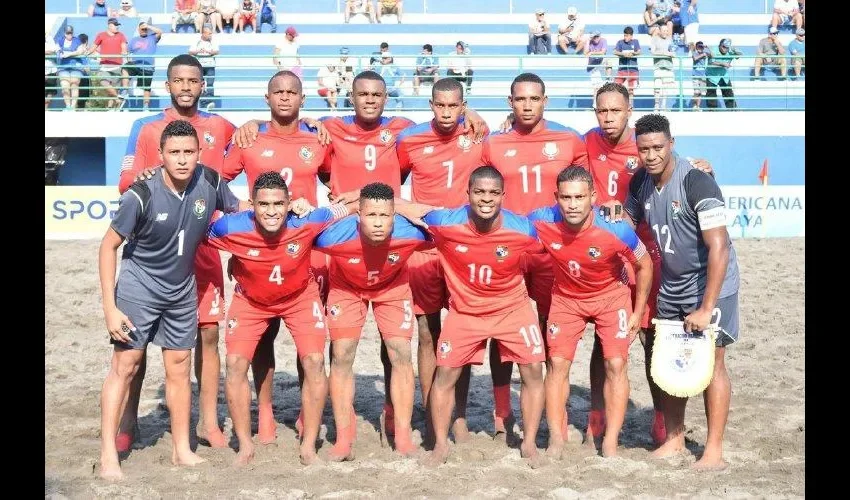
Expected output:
(699, 270)
(369, 257)
(271, 251)
(155, 299)
(530, 156)
(286, 145)
(590, 285)
(480, 249)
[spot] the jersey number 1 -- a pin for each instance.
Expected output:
(534, 170)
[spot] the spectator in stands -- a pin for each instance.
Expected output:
(718, 77)
(571, 33)
(126, 9)
(346, 77)
(597, 49)
(689, 15)
(100, 9)
(427, 68)
(700, 57)
(207, 14)
(205, 49)
(539, 36)
(768, 52)
(802, 4)
(676, 19)
(376, 56)
(627, 71)
(663, 50)
(142, 50)
(797, 49)
(459, 65)
(113, 48)
(355, 7)
(390, 7)
(657, 14)
(286, 53)
(185, 13)
(394, 78)
(51, 83)
(248, 11)
(72, 53)
(267, 15)
(786, 13)
(328, 78)
(228, 11)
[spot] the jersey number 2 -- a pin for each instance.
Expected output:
(663, 231)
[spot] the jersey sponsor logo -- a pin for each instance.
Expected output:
(386, 136)
(232, 323)
(267, 153)
(464, 143)
(335, 310)
(550, 150)
(209, 139)
(445, 349)
(200, 208)
(556, 246)
(631, 162)
(293, 248)
(306, 154)
(161, 217)
(253, 252)
(594, 252)
(461, 249)
(602, 157)
(676, 208)
(354, 260)
(350, 138)
(501, 252)
(427, 150)
(553, 330)
(393, 257)
(510, 153)
(646, 207)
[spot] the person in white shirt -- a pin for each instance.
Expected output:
(459, 65)
(539, 36)
(286, 53)
(329, 84)
(571, 33)
(126, 9)
(786, 13)
(205, 49)
(228, 11)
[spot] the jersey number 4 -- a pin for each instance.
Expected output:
(275, 276)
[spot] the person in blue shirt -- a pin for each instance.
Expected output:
(427, 68)
(267, 15)
(797, 50)
(394, 78)
(690, 21)
(141, 65)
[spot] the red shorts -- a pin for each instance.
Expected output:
(464, 337)
(302, 313)
(319, 268)
(628, 77)
(249, 18)
(646, 236)
(347, 314)
(427, 283)
(539, 278)
(569, 317)
(210, 280)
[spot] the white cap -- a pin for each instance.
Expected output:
(572, 11)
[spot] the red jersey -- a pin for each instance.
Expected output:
(359, 156)
(110, 47)
(612, 167)
(269, 270)
(588, 263)
(366, 268)
(297, 156)
(531, 162)
(440, 164)
(214, 134)
(482, 271)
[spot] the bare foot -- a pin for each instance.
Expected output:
(187, 458)
(669, 449)
(308, 456)
(267, 431)
(342, 451)
(435, 457)
(609, 448)
(460, 431)
(111, 471)
(213, 438)
(710, 462)
(556, 449)
(244, 457)
(532, 456)
(404, 444)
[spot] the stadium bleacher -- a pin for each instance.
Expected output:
(496, 34)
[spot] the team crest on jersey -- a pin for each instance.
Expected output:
(293, 248)
(393, 257)
(306, 153)
(594, 252)
(445, 349)
(253, 252)
(200, 208)
(232, 323)
(464, 143)
(631, 162)
(550, 150)
(208, 138)
(501, 251)
(554, 330)
(677, 208)
(386, 136)
(334, 310)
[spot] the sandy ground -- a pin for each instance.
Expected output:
(765, 437)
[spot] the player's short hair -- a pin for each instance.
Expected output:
(183, 60)
(385, 45)
(652, 123)
(612, 87)
(177, 128)
(428, 47)
(575, 173)
(368, 75)
(486, 172)
(269, 180)
(628, 30)
(528, 78)
(377, 191)
(286, 72)
(447, 85)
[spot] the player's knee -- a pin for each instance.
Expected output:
(178, 363)
(126, 369)
(314, 365)
(557, 366)
(208, 335)
(531, 373)
(237, 368)
(615, 367)
(398, 351)
(343, 354)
